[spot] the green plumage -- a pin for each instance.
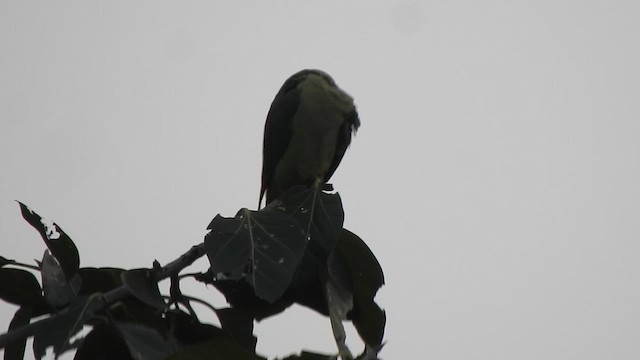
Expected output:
(307, 131)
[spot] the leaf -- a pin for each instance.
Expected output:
(143, 285)
(4, 261)
(103, 343)
(238, 325)
(263, 247)
(99, 280)
(216, 349)
(370, 353)
(57, 290)
(60, 245)
(319, 213)
(60, 328)
(366, 278)
(188, 330)
(370, 320)
(366, 272)
(144, 343)
(305, 355)
(15, 350)
(240, 294)
(307, 287)
(19, 287)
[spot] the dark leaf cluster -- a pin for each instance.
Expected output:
(293, 251)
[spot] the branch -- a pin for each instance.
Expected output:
(177, 265)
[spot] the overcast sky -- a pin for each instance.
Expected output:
(495, 174)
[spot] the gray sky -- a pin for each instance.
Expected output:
(495, 175)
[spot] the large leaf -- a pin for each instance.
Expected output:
(142, 284)
(366, 272)
(4, 261)
(19, 287)
(366, 277)
(262, 247)
(60, 245)
(57, 290)
(216, 349)
(241, 295)
(15, 350)
(238, 325)
(99, 280)
(145, 343)
(370, 320)
(60, 328)
(188, 330)
(103, 343)
(319, 213)
(305, 355)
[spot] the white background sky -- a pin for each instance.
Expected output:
(495, 175)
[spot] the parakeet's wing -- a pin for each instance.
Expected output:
(277, 129)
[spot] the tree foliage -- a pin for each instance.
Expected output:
(293, 251)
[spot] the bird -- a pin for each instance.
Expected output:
(308, 129)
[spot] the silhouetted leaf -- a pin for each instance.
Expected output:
(60, 328)
(238, 325)
(143, 285)
(57, 290)
(366, 278)
(99, 280)
(131, 309)
(362, 263)
(189, 331)
(145, 343)
(371, 353)
(263, 247)
(305, 355)
(4, 261)
(369, 320)
(240, 294)
(19, 287)
(216, 349)
(307, 287)
(56, 240)
(15, 350)
(103, 343)
(320, 214)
